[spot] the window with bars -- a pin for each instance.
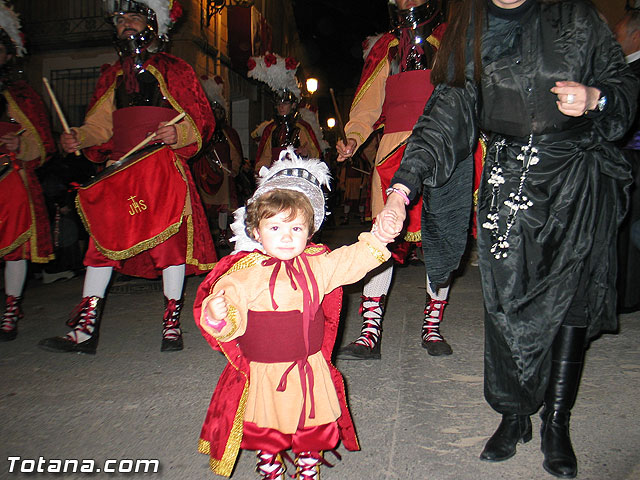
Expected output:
(73, 88)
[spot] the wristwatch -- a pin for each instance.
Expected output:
(602, 103)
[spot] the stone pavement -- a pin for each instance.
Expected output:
(417, 417)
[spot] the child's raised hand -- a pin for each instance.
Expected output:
(217, 311)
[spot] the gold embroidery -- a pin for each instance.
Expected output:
(356, 134)
(15, 111)
(413, 236)
(312, 250)
(232, 317)
(224, 466)
(377, 254)
(136, 207)
(388, 155)
(204, 446)
(433, 41)
(376, 71)
(176, 106)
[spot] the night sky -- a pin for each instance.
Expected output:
(332, 32)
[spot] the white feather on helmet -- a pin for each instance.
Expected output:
(277, 72)
(10, 23)
(167, 12)
(213, 87)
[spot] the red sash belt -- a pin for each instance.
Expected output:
(405, 97)
(15, 212)
(285, 336)
(136, 207)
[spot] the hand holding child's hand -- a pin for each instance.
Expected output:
(388, 226)
(217, 311)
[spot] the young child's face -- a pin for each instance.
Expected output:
(283, 239)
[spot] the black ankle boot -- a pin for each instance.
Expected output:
(367, 345)
(12, 313)
(566, 368)
(502, 445)
(85, 318)
(171, 331)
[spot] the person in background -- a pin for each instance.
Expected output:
(394, 86)
(286, 128)
(25, 144)
(161, 229)
(550, 83)
(627, 33)
(216, 168)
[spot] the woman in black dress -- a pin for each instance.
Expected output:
(550, 83)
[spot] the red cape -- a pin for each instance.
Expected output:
(178, 84)
(221, 433)
(32, 115)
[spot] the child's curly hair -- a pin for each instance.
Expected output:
(275, 201)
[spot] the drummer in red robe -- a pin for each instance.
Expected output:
(144, 215)
(25, 144)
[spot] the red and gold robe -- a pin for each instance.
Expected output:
(182, 90)
(24, 224)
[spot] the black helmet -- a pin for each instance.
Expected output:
(137, 43)
(415, 16)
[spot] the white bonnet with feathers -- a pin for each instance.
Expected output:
(289, 172)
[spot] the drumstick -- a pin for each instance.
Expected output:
(56, 106)
(339, 117)
(359, 170)
(175, 119)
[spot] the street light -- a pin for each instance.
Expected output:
(312, 85)
(331, 122)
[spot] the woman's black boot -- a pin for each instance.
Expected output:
(502, 445)
(566, 368)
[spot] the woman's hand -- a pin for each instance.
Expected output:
(574, 99)
(345, 151)
(390, 220)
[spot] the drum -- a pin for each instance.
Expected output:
(135, 204)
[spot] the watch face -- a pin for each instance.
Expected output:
(602, 102)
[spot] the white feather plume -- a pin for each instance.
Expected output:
(277, 76)
(10, 23)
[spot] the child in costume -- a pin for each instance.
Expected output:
(272, 307)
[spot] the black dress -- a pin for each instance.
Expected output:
(553, 186)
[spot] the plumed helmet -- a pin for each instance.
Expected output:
(161, 14)
(278, 73)
(213, 87)
(10, 33)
